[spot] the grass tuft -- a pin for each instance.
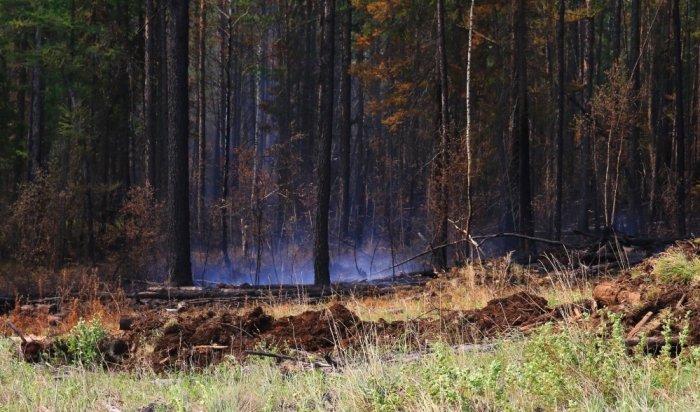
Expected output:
(676, 267)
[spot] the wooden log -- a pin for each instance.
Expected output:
(209, 347)
(654, 342)
(16, 331)
(680, 302)
(640, 325)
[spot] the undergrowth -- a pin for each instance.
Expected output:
(81, 344)
(572, 369)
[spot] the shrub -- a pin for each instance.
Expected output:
(136, 235)
(81, 344)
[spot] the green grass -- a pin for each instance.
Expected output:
(676, 267)
(552, 370)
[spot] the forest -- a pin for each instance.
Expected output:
(361, 205)
(245, 141)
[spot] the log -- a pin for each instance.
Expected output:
(654, 342)
(289, 358)
(208, 347)
(16, 331)
(640, 325)
(680, 302)
(270, 355)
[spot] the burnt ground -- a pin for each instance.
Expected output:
(187, 336)
(204, 337)
(200, 336)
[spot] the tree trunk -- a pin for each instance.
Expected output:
(361, 172)
(560, 121)
(178, 245)
(161, 161)
(325, 119)
(635, 187)
(202, 118)
(442, 205)
(150, 93)
(521, 127)
(616, 24)
(588, 184)
(36, 114)
(345, 117)
(226, 59)
(679, 119)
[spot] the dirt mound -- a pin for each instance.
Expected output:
(199, 340)
(498, 316)
(646, 303)
(315, 331)
(202, 339)
(509, 312)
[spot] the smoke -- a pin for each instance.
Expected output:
(297, 268)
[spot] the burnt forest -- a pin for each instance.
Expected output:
(213, 205)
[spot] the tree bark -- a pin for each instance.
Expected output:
(633, 175)
(150, 93)
(467, 133)
(345, 117)
(202, 118)
(521, 127)
(442, 205)
(561, 113)
(679, 119)
(179, 266)
(36, 114)
(588, 184)
(361, 172)
(325, 119)
(616, 24)
(226, 60)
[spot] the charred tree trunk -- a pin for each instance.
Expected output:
(679, 119)
(616, 24)
(226, 59)
(560, 121)
(325, 116)
(440, 227)
(345, 117)
(635, 169)
(361, 172)
(178, 211)
(201, 118)
(161, 160)
(150, 93)
(521, 127)
(588, 184)
(36, 115)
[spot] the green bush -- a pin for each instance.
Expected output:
(81, 344)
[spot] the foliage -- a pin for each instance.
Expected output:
(573, 369)
(136, 237)
(81, 343)
(677, 267)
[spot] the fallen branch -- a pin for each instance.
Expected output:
(640, 325)
(16, 331)
(270, 355)
(527, 237)
(212, 347)
(654, 341)
(290, 358)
